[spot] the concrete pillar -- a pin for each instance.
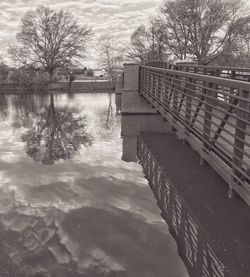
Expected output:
(119, 82)
(131, 76)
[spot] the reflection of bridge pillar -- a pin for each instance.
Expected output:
(118, 103)
(129, 149)
(133, 124)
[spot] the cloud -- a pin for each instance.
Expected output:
(100, 15)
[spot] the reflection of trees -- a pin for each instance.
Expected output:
(26, 105)
(70, 95)
(56, 133)
(107, 120)
(110, 116)
(4, 105)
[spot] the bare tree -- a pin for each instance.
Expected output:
(178, 34)
(236, 51)
(158, 34)
(139, 45)
(148, 43)
(200, 28)
(4, 69)
(49, 39)
(111, 52)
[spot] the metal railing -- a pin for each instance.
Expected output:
(211, 113)
(236, 73)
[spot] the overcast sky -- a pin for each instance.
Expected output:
(123, 15)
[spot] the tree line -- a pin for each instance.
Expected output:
(206, 31)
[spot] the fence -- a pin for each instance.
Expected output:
(211, 113)
(237, 73)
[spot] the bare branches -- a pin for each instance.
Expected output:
(200, 29)
(149, 43)
(49, 39)
(111, 52)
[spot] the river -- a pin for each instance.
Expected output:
(70, 204)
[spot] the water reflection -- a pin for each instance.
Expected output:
(25, 107)
(205, 251)
(118, 103)
(91, 215)
(54, 133)
(132, 125)
(110, 116)
(193, 248)
(4, 106)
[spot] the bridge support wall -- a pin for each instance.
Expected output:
(131, 77)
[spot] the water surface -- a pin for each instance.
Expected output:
(69, 204)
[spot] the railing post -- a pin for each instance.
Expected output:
(175, 98)
(140, 79)
(233, 74)
(231, 94)
(160, 87)
(240, 137)
(189, 97)
(155, 86)
(208, 119)
(166, 93)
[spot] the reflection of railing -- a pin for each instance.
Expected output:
(211, 113)
(237, 73)
(195, 247)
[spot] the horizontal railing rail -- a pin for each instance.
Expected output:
(211, 113)
(237, 73)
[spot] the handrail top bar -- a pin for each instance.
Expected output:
(210, 79)
(240, 69)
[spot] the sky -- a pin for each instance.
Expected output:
(122, 16)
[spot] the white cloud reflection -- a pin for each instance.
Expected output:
(88, 216)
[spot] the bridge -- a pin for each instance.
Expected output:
(210, 113)
(199, 167)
